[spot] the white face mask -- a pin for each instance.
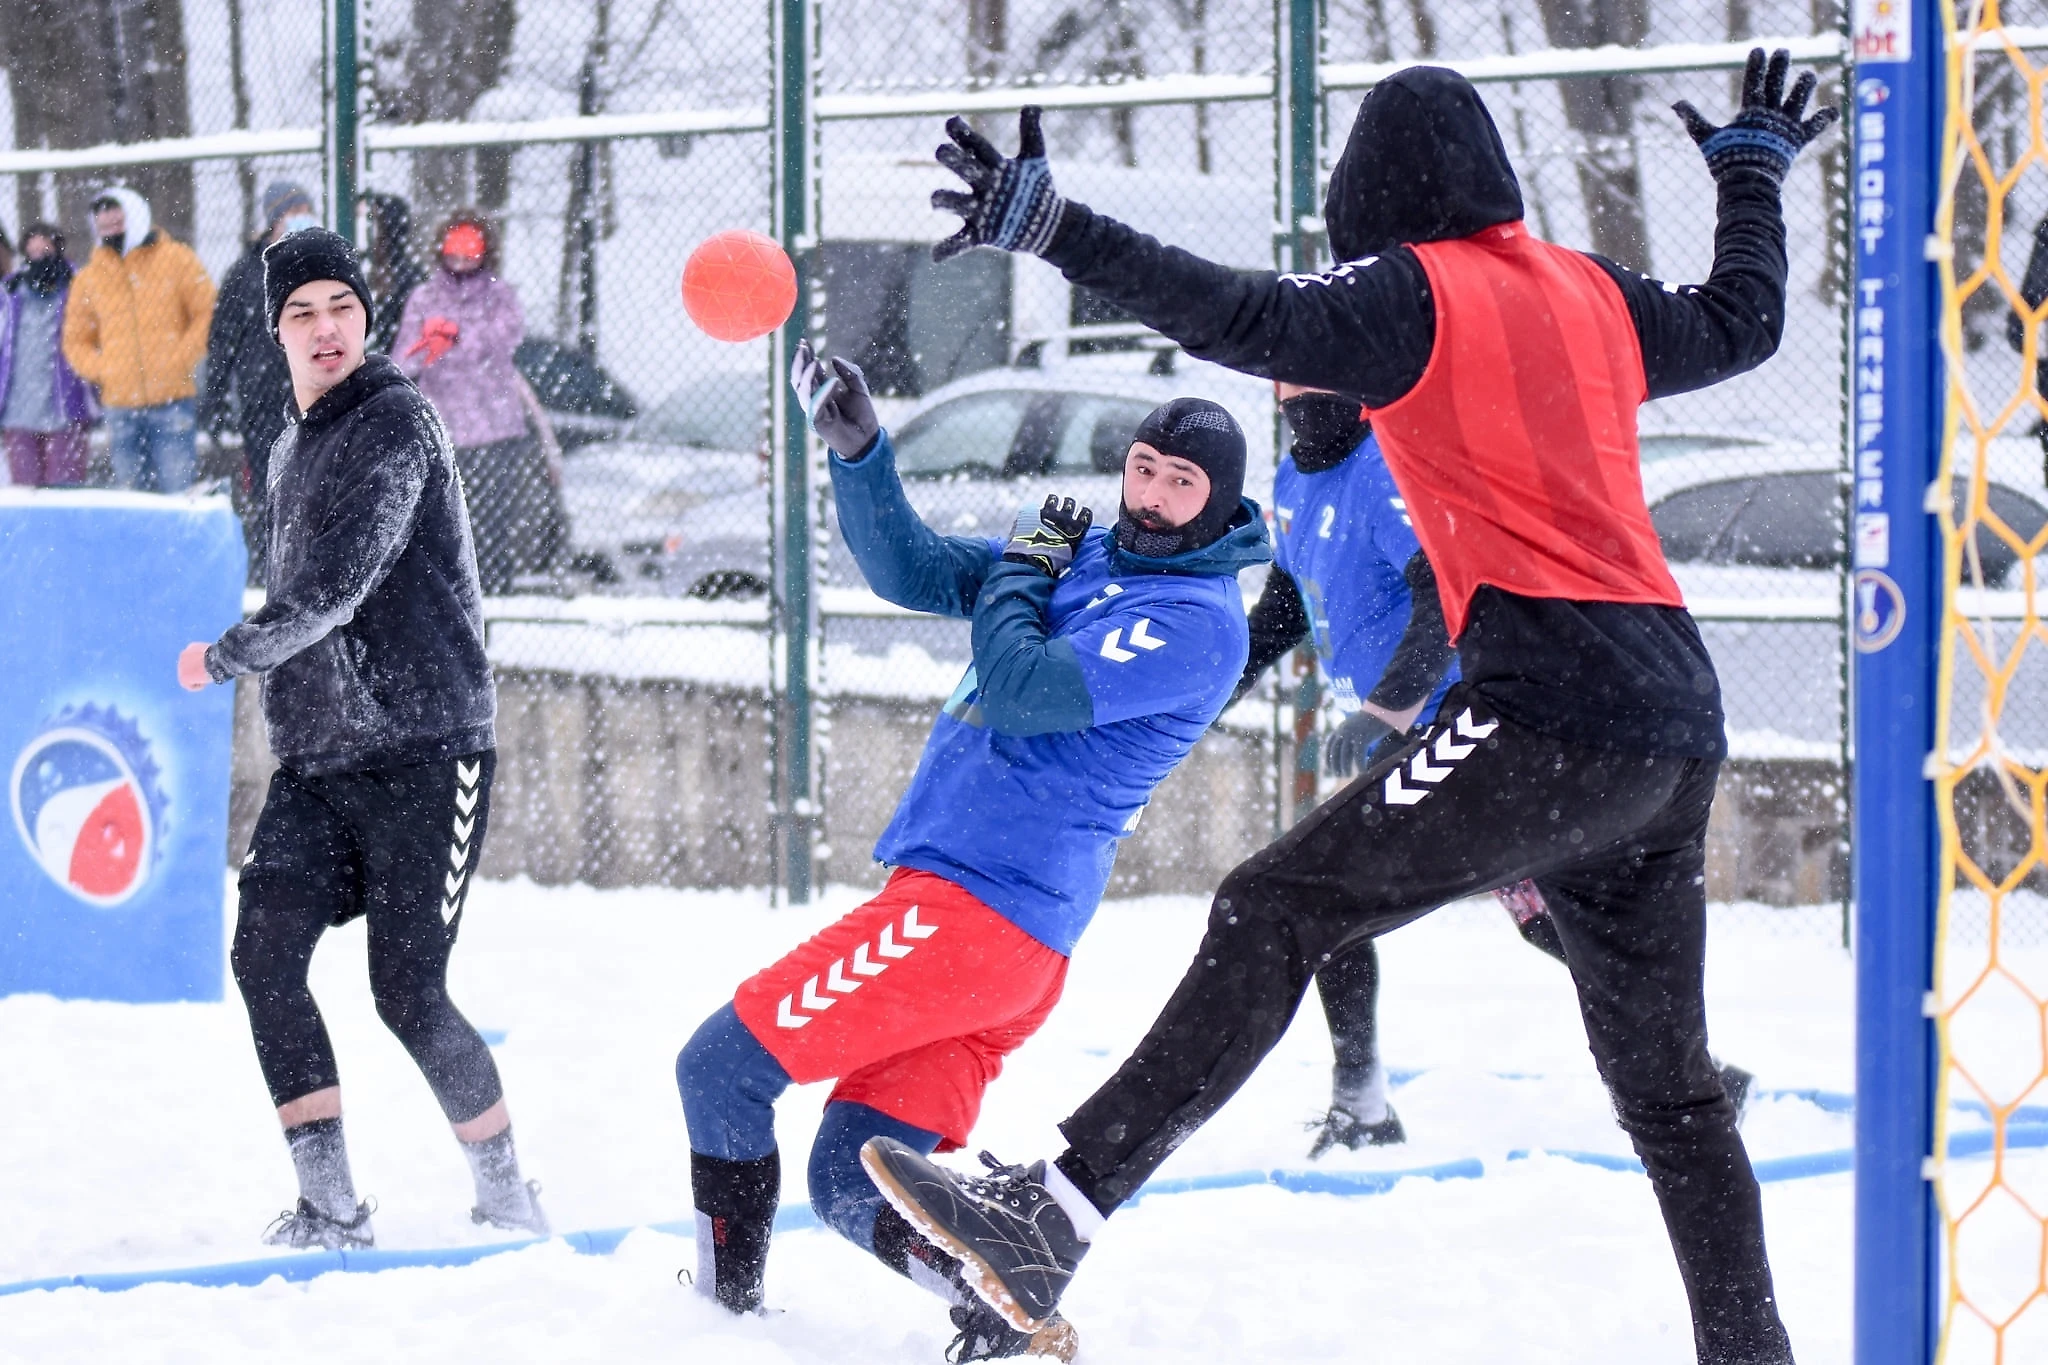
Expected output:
(298, 222)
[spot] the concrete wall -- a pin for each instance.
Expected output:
(620, 783)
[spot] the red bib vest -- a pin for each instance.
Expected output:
(1516, 451)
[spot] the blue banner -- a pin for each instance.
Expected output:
(113, 858)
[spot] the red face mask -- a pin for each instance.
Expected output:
(464, 241)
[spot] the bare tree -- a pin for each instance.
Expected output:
(988, 39)
(83, 72)
(1105, 37)
(455, 51)
(1601, 110)
(1834, 166)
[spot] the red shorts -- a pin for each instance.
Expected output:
(912, 1001)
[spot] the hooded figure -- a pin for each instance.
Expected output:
(1580, 750)
(136, 329)
(394, 271)
(44, 406)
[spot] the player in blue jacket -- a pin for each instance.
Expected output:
(1100, 657)
(1349, 575)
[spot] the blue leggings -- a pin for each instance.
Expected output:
(729, 1085)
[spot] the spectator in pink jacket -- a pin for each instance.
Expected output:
(456, 339)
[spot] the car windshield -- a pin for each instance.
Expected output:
(1097, 434)
(1781, 521)
(980, 433)
(715, 412)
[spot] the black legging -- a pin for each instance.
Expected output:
(397, 845)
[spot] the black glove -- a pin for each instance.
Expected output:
(1046, 537)
(1010, 201)
(1345, 750)
(834, 395)
(1771, 127)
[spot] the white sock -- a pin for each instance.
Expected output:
(1079, 1208)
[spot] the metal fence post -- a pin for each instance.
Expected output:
(797, 813)
(344, 142)
(1300, 101)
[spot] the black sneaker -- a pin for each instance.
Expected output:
(1736, 1082)
(1341, 1128)
(306, 1227)
(985, 1336)
(515, 1214)
(1016, 1248)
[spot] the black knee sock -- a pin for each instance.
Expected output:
(735, 1202)
(320, 1156)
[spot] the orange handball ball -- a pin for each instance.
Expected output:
(739, 285)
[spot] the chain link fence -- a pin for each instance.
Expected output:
(630, 520)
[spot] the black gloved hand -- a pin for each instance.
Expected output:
(834, 395)
(1010, 201)
(1771, 127)
(1344, 752)
(1046, 537)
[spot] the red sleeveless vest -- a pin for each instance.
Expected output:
(1516, 451)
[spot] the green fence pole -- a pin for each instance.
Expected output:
(797, 812)
(344, 141)
(1300, 104)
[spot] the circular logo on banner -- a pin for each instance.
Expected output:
(87, 804)
(1880, 610)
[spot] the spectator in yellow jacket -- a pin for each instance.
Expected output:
(136, 330)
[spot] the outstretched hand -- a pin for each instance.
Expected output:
(1772, 126)
(192, 674)
(1009, 201)
(834, 395)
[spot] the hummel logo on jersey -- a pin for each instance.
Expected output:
(466, 797)
(1109, 590)
(862, 966)
(1447, 750)
(1141, 638)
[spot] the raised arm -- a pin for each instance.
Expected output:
(903, 560)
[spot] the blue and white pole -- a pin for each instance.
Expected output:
(1895, 101)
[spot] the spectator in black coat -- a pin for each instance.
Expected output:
(394, 271)
(246, 383)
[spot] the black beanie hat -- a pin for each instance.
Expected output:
(1207, 436)
(299, 258)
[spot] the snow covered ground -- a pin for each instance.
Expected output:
(141, 1137)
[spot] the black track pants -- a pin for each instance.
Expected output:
(1617, 844)
(397, 845)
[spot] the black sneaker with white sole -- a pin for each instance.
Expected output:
(305, 1227)
(1342, 1128)
(1016, 1247)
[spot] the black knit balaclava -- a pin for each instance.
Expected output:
(299, 258)
(1207, 436)
(1327, 428)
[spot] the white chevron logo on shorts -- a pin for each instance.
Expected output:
(1448, 751)
(862, 964)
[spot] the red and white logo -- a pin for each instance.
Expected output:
(87, 805)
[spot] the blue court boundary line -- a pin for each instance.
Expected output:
(306, 1266)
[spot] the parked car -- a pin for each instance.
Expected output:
(1758, 531)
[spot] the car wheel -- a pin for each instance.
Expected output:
(729, 585)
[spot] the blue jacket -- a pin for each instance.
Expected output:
(1344, 537)
(1083, 695)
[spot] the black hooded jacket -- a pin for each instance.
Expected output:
(371, 643)
(242, 356)
(1425, 163)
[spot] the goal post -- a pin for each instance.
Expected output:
(1892, 117)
